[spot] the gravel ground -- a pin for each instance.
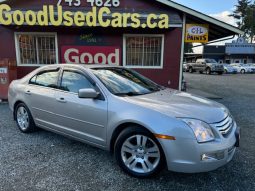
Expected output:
(46, 161)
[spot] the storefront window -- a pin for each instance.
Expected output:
(143, 51)
(36, 49)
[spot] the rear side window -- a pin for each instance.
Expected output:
(73, 81)
(46, 79)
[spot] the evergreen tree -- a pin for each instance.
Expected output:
(244, 13)
(240, 12)
(249, 22)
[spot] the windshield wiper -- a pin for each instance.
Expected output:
(156, 89)
(128, 94)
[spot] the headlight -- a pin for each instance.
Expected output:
(202, 130)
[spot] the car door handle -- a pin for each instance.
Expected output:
(61, 100)
(28, 92)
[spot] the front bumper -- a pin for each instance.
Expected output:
(185, 155)
(217, 70)
(232, 72)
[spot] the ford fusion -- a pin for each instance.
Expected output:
(147, 126)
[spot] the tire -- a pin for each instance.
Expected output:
(220, 73)
(200, 72)
(134, 158)
(208, 71)
(190, 70)
(24, 119)
(242, 71)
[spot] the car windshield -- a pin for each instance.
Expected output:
(210, 61)
(125, 82)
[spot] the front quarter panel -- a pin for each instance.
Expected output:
(121, 112)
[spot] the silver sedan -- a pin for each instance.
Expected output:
(147, 126)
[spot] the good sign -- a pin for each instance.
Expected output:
(91, 55)
(196, 33)
(51, 15)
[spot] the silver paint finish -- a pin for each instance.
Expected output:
(94, 121)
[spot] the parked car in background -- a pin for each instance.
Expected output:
(228, 69)
(242, 68)
(252, 66)
(206, 65)
(117, 109)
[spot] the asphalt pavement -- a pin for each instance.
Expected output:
(46, 161)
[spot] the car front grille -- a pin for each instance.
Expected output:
(225, 126)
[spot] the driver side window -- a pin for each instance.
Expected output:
(73, 81)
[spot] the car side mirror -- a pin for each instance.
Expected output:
(88, 94)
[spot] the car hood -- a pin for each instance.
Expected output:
(181, 105)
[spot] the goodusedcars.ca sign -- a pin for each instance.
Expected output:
(55, 15)
(197, 33)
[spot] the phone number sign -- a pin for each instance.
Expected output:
(92, 3)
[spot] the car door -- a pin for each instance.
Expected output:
(236, 67)
(198, 66)
(40, 97)
(85, 119)
(201, 65)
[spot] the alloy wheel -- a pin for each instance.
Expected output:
(23, 118)
(140, 154)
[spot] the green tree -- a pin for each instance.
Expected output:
(249, 22)
(240, 12)
(244, 14)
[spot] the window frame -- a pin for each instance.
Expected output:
(17, 47)
(74, 71)
(143, 35)
(86, 75)
(45, 71)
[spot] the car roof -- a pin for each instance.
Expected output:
(90, 66)
(86, 66)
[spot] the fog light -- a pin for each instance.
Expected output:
(208, 157)
(212, 156)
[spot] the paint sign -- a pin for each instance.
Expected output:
(197, 33)
(91, 55)
(3, 71)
